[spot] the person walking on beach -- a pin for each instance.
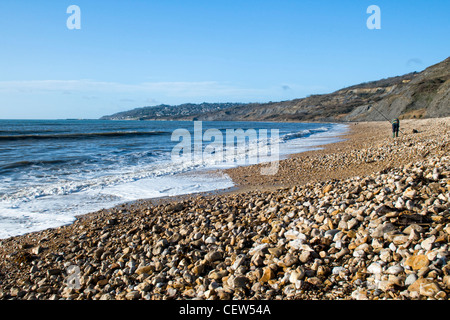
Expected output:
(395, 127)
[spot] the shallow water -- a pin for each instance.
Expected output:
(53, 170)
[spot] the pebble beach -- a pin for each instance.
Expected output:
(367, 218)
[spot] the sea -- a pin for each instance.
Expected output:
(54, 170)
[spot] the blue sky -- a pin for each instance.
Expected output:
(138, 53)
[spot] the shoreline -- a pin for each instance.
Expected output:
(269, 237)
(69, 217)
(235, 189)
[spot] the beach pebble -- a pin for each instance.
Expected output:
(381, 235)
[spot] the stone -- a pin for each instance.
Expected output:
(133, 295)
(331, 233)
(37, 250)
(338, 270)
(267, 275)
(217, 275)
(417, 262)
(427, 244)
(395, 269)
(446, 281)
(382, 229)
(400, 239)
(327, 189)
(98, 253)
(144, 270)
(304, 256)
(297, 274)
(240, 282)
(289, 260)
(238, 262)
(400, 204)
(426, 287)
(276, 252)
(144, 287)
(410, 279)
(213, 256)
(53, 272)
(352, 223)
(375, 268)
(210, 240)
(410, 193)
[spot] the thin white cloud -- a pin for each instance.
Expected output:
(185, 89)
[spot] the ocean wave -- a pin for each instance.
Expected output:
(303, 133)
(78, 136)
(129, 170)
(23, 164)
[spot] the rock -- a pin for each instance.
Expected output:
(217, 275)
(259, 248)
(352, 223)
(305, 256)
(327, 189)
(144, 270)
(240, 282)
(427, 244)
(424, 287)
(213, 256)
(375, 268)
(171, 292)
(276, 252)
(144, 287)
(417, 262)
(400, 239)
(297, 274)
(446, 281)
(98, 253)
(133, 295)
(410, 279)
(210, 240)
(338, 270)
(359, 294)
(238, 262)
(53, 272)
(395, 269)
(341, 253)
(289, 260)
(175, 207)
(37, 250)
(410, 193)
(267, 275)
(383, 229)
(400, 204)
(331, 233)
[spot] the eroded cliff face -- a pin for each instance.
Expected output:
(426, 95)
(415, 95)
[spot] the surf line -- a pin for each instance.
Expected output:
(226, 152)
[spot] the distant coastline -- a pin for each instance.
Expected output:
(416, 95)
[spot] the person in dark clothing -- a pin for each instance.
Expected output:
(395, 127)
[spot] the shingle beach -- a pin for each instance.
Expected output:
(365, 218)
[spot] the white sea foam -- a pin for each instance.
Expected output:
(55, 210)
(57, 202)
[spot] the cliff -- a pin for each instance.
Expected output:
(423, 94)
